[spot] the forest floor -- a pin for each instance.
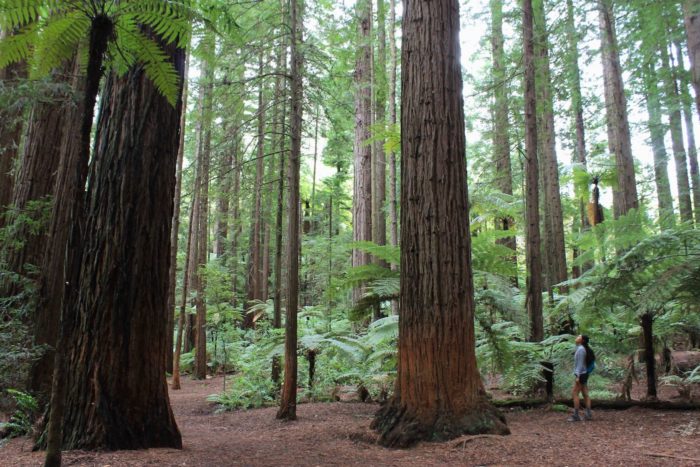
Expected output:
(338, 434)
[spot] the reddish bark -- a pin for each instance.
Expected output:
(438, 393)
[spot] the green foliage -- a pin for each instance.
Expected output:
(22, 419)
(52, 31)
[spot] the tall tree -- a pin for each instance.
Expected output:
(501, 139)
(175, 232)
(673, 108)
(255, 278)
(574, 82)
(117, 394)
(393, 205)
(533, 298)
(203, 165)
(691, 14)
(378, 154)
(51, 284)
(288, 399)
(686, 103)
(362, 184)
(439, 394)
(657, 131)
(619, 140)
(34, 182)
(555, 265)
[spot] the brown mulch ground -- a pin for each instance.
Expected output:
(338, 434)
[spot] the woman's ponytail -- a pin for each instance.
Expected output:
(590, 355)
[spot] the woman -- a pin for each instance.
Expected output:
(584, 363)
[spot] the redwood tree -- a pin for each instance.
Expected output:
(115, 372)
(439, 394)
(288, 398)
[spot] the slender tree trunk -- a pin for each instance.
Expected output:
(200, 364)
(439, 394)
(690, 132)
(313, 179)
(647, 322)
(574, 80)
(185, 284)
(254, 286)
(619, 141)
(393, 206)
(657, 132)
(501, 139)
(362, 182)
(533, 300)
(378, 154)
(553, 216)
(174, 234)
(288, 401)
(281, 93)
(673, 107)
(117, 394)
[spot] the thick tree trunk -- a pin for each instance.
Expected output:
(549, 166)
(501, 139)
(533, 300)
(35, 181)
(70, 221)
(362, 182)
(438, 393)
(619, 141)
(117, 394)
(223, 206)
(51, 284)
(657, 132)
(673, 107)
(175, 232)
(288, 399)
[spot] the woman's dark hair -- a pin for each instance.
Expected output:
(590, 355)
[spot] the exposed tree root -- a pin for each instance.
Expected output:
(399, 427)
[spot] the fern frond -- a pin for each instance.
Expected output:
(58, 41)
(151, 56)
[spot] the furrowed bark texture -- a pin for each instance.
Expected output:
(438, 394)
(117, 395)
(38, 163)
(619, 140)
(362, 181)
(51, 283)
(533, 300)
(555, 265)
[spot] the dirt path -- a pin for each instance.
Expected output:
(338, 434)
